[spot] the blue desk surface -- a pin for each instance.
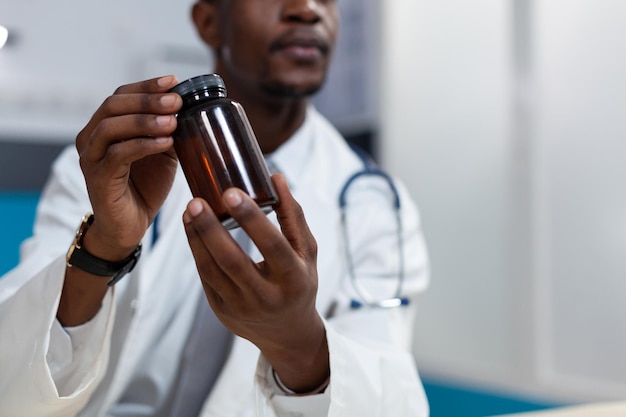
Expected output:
(450, 400)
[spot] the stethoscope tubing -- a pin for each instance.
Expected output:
(366, 300)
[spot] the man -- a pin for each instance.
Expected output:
(72, 345)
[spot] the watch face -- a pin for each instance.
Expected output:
(78, 237)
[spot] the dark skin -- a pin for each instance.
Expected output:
(272, 55)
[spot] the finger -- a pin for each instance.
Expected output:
(140, 103)
(132, 104)
(218, 257)
(117, 130)
(153, 85)
(215, 300)
(274, 247)
(120, 155)
(145, 97)
(292, 222)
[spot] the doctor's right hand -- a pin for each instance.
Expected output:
(128, 161)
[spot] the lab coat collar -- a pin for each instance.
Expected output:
(292, 157)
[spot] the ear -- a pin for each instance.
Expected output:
(206, 19)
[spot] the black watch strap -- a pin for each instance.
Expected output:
(80, 258)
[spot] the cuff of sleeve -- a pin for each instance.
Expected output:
(76, 351)
(82, 335)
(312, 405)
(280, 388)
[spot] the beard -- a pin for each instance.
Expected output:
(282, 90)
(271, 84)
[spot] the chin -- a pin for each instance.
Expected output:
(292, 81)
(282, 90)
(293, 88)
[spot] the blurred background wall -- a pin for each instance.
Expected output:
(505, 118)
(508, 121)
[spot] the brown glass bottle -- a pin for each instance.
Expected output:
(217, 148)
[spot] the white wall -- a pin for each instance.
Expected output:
(506, 120)
(580, 211)
(69, 55)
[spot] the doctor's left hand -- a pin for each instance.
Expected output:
(271, 303)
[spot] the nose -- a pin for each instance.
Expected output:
(306, 11)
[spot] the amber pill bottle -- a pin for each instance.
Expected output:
(216, 147)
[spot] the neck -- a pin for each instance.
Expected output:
(273, 119)
(274, 123)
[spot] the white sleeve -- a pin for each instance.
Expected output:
(74, 350)
(366, 380)
(48, 370)
(45, 371)
(284, 405)
(372, 379)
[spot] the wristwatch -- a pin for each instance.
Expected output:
(80, 258)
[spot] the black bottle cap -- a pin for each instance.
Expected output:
(207, 82)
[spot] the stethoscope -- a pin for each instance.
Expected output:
(367, 299)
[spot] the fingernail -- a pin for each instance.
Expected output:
(165, 81)
(232, 198)
(168, 100)
(194, 208)
(162, 139)
(163, 120)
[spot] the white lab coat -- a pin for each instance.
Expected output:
(134, 342)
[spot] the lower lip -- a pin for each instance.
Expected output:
(302, 52)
